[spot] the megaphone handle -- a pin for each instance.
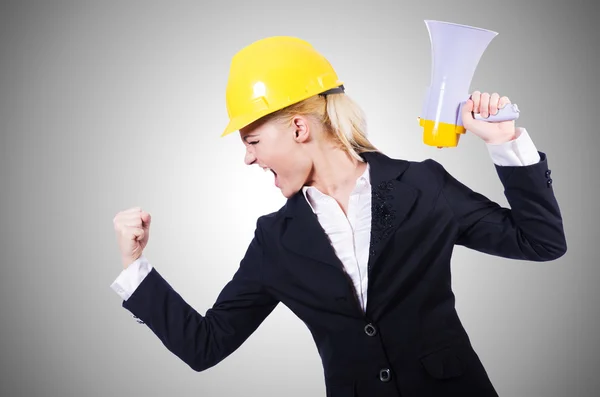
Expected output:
(508, 112)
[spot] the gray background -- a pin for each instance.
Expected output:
(109, 105)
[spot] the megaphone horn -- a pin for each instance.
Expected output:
(455, 50)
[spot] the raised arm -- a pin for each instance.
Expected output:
(530, 229)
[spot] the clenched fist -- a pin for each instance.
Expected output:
(132, 227)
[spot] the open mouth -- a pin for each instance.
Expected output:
(274, 174)
(269, 169)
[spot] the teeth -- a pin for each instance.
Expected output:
(268, 169)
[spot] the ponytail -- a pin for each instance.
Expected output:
(341, 117)
(348, 123)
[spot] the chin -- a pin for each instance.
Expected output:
(287, 193)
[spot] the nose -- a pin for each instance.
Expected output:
(250, 158)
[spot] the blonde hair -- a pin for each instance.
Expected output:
(343, 120)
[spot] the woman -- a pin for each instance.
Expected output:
(361, 250)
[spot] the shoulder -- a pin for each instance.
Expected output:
(428, 176)
(431, 167)
(418, 172)
(270, 221)
(382, 161)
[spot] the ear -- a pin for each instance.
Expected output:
(301, 129)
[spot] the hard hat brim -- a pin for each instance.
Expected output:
(237, 123)
(240, 122)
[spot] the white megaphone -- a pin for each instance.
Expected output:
(456, 51)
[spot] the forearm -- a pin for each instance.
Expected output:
(204, 341)
(182, 330)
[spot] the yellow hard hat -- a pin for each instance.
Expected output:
(273, 73)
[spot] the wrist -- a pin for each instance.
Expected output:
(501, 140)
(127, 261)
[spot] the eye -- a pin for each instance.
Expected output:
(253, 143)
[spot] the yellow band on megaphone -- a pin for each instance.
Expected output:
(441, 134)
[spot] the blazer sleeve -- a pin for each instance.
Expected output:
(531, 229)
(203, 341)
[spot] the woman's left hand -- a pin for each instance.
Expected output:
(486, 104)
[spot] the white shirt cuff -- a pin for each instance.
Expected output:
(131, 277)
(518, 152)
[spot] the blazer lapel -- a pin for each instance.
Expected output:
(391, 201)
(304, 235)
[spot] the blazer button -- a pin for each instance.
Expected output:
(370, 330)
(549, 182)
(385, 375)
(548, 172)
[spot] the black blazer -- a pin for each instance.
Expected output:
(410, 342)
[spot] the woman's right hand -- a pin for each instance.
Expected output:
(132, 227)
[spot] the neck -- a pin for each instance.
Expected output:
(334, 171)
